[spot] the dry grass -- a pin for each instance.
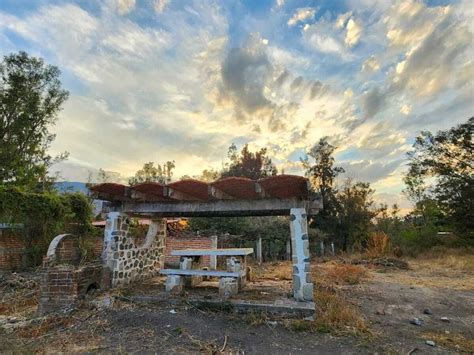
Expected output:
(457, 259)
(378, 245)
(281, 270)
(345, 274)
(45, 326)
(334, 313)
(455, 342)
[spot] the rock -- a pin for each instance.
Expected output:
(416, 321)
(430, 343)
(173, 311)
(103, 303)
(445, 319)
(380, 311)
(427, 311)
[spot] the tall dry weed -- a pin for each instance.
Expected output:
(378, 245)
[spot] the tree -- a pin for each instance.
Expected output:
(441, 168)
(355, 213)
(322, 174)
(30, 100)
(248, 164)
(152, 173)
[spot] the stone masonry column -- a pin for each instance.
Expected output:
(302, 285)
(116, 226)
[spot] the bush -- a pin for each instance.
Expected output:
(43, 216)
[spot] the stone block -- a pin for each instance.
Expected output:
(228, 287)
(308, 292)
(174, 283)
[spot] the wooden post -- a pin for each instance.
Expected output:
(259, 250)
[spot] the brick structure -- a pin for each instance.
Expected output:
(187, 242)
(63, 280)
(11, 251)
(63, 285)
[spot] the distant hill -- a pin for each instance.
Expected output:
(71, 186)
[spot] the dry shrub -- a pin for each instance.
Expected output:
(38, 329)
(346, 274)
(455, 342)
(459, 259)
(378, 245)
(276, 271)
(337, 315)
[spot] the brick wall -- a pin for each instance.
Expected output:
(186, 242)
(11, 251)
(62, 285)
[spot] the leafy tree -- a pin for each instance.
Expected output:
(30, 100)
(322, 174)
(441, 168)
(151, 173)
(248, 164)
(355, 213)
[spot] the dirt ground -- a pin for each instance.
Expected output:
(361, 309)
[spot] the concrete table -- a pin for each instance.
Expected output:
(190, 272)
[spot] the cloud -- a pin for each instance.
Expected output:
(405, 109)
(301, 15)
(368, 171)
(125, 6)
(244, 73)
(354, 31)
(160, 5)
(280, 3)
(371, 65)
(372, 102)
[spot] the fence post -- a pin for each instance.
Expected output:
(259, 250)
(332, 248)
(213, 258)
(288, 249)
(321, 243)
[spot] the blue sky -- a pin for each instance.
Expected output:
(157, 80)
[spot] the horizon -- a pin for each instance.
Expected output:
(177, 80)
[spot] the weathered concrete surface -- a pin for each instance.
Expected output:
(228, 287)
(220, 208)
(302, 284)
(174, 283)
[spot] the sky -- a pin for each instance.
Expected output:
(158, 80)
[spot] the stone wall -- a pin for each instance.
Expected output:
(127, 261)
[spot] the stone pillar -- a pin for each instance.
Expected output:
(332, 248)
(321, 244)
(288, 249)
(302, 285)
(234, 264)
(228, 287)
(213, 258)
(115, 227)
(259, 250)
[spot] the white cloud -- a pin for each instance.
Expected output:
(280, 3)
(354, 31)
(371, 64)
(301, 15)
(125, 6)
(405, 109)
(160, 5)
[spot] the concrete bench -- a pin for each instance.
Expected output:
(210, 273)
(229, 282)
